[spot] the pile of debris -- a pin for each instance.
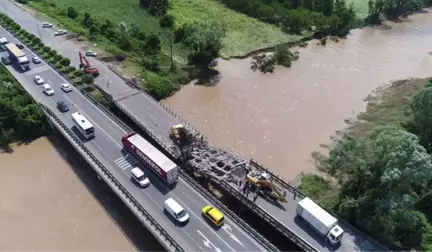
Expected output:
(213, 162)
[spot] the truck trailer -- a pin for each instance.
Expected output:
(18, 57)
(164, 167)
(321, 221)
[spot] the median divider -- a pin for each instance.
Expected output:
(160, 234)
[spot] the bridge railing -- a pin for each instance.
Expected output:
(159, 233)
(267, 217)
(248, 229)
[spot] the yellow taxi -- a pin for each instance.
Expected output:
(213, 215)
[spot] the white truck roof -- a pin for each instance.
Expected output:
(317, 211)
(3, 40)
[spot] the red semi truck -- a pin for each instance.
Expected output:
(164, 167)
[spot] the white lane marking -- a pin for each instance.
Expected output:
(161, 208)
(228, 229)
(205, 200)
(126, 162)
(208, 243)
(185, 205)
(74, 104)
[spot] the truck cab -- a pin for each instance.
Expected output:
(334, 236)
(3, 42)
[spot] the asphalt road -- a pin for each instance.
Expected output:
(152, 116)
(197, 235)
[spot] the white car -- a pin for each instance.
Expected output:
(38, 80)
(47, 89)
(66, 87)
(36, 60)
(60, 32)
(91, 54)
(46, 25)
(139, 176)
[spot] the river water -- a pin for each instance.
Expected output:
(280, 118)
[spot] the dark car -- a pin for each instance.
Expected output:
(20, 46)
(62, 106)
(6, 60)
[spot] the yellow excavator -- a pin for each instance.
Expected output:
(179, 134)
(262, 181)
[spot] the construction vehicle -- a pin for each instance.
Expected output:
(179, 134)
(89, 69)
(262, 181)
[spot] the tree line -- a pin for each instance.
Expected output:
(384, 178)
(21, 119)
(380, 10)
(324, 17)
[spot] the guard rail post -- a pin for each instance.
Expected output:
(153, 226)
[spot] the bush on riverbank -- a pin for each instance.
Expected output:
(21, 119)
(393, 9)
(382, 170)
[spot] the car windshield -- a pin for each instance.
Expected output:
(89, 131)
(181, 214)
(142, 177)
(49, 89)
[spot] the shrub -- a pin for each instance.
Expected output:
(52, 61)
(40, 45)
(78, 73)
(58, 66)
(72, 13)
(51, 53)
(46, 49)
(39, 51)
(167, 21)
(87, 78)
(65, 62)
(58, 57)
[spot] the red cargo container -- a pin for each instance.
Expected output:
(151, 156)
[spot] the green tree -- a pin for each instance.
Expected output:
(167, 21)
(152, 44)
(283, 56)
(72, 13)
(88, 20)
(381, 175)
(420, 122)
(205, 39)
(158, 7)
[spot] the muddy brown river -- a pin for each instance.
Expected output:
(280, 118)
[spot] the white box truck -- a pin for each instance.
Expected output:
(321, 221)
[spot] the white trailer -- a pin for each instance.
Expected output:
(321, 221)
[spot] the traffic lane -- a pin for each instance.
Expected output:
(197, 229)
(229, 232)
(68, 48)
(227, 238)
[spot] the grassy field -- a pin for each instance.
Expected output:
(361, 6)
(244, 34)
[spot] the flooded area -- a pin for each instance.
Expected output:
(51, 204)
(280, 118)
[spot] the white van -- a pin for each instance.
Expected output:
(140, 177)
(176, 211)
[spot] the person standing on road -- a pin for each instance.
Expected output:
(255, 197)
(285, 192)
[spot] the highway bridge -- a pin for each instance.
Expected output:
(156, 121)
(113, 164)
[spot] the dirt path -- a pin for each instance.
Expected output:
(45, 206)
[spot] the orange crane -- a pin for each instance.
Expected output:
(89, 69)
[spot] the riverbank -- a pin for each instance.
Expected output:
(52, 201)
(280, 118)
